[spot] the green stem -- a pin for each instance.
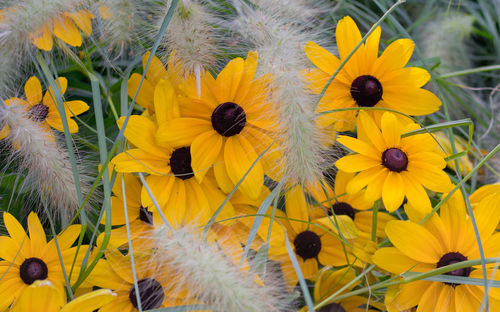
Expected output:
(374, 220)
(469, 71)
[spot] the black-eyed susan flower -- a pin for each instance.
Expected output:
(29, 258)
(227, 127)
(44, 296)
(156, 286)
(171, 177)
(312, 243)
(142, 219)
(393, 167)
(367, 79)
(45, 111)
(445, 239)
(66, 27)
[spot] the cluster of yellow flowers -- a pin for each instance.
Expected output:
(204, 154)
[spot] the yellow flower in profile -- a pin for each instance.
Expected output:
(43, 296)
(27, 259)
(367, 79)
(445, 239)
(45, 111)
(149, 91)
(328, 282)
(66, 27)
(227, 127)
(393, 167)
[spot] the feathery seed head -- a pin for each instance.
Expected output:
(45, 165)
(209, 270)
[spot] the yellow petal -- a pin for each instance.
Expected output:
(239, 156)
(348, 36)
(145, 95)
(33, 91)
(66, 30)
(369, 132)
(416, 194)
(321, 58)
(356, 163)
(43, 39)
(416, 102)
(156, 71)
(49, 97)
(141, 132)
(82, 20)
(414, 241)
(90, 301)
(40, 296)
(37, 234)
(165, 102)
(391, 131)
(204, 152)
(404, 78)
(393, 260)
(296, 208)
(221, 176)
(359, 146)
(4, 132)
(181, 132)
(395, 56)
(160, 187)
(363, 178)
(393, 192)
(136, 160)
(249, 70)
(228, 80)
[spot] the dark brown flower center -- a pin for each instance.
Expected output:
(180, 162)
(366, 90)
(38, 112)
(145, 215)
(307, 245)
(150, 292)
(395, 159)
(33, 269)
(229, 119)
(332, 307)
(451, 258)
(341, 208)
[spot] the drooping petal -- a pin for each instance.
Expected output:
(239, 156)
(65, 29)
(205, 150)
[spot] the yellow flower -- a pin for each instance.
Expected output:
(227, 127)
(182, 198)
(64, 27)
(142, 219)
(312, 243)
(444, 239)
(43, 296)
(157, 285)
(154, 75)
(45, 111)
(393, 167)
(28, 259)
(367, 80)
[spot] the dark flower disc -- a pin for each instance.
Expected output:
(38, 112)
(341, 208)
(145, 215)
(228, 119)
(150, 292)
(395, 159)
(366, 90)
(180, 163)
(332, 307)
(307, 244)
(33, 269)
(452, 258)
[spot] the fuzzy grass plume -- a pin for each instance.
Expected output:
(191, 37)
(279, 30)
(23, 21)
(45, 165)
(209, 275)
